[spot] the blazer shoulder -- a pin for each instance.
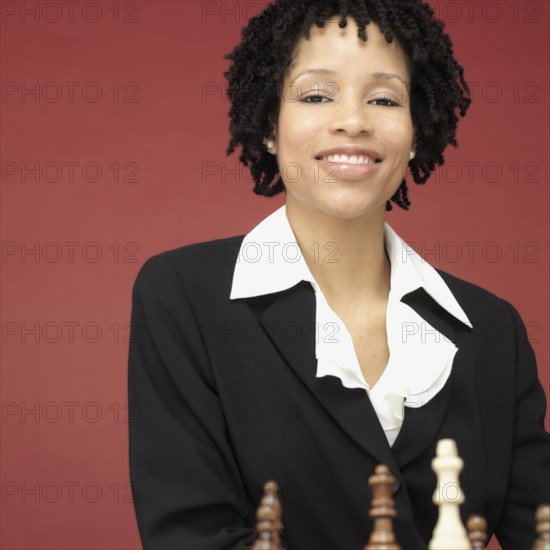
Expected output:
(465, 288)
(194, 264)
(478, 302)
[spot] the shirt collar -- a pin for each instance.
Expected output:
(270, 260)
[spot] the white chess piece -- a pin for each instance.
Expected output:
(449, 532)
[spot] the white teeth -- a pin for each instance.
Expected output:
(350, 159)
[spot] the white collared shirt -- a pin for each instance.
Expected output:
(421, 358)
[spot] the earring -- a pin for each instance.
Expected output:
(412, 154)
(270, 144)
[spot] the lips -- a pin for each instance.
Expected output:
(351, 163)
(349, 154)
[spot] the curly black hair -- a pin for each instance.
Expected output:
(259, 62)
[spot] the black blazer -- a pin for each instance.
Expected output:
(223, 397)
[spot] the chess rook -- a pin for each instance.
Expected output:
(449, 532)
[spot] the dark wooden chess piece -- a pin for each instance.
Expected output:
(477, 531)
(382, 510)
(542, 517)
(269, 519)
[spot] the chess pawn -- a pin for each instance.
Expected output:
(269, 520)
(477, 531)
(449, 532)
(382, 510)
(268, 537)
(542, 517)
(271, 498)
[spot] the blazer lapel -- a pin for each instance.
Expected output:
(421, 425)
(293, 312)
(289, 321)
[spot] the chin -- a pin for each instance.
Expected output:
(353, 210)
(348, 207)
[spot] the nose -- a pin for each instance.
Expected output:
(351, 117)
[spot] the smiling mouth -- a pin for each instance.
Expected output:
(349, 159)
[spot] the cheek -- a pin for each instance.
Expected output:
(398, 132)
(296, 130)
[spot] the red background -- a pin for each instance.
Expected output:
(64, 466)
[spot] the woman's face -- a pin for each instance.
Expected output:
(344, 132)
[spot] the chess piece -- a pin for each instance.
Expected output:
(382, 510)
(269, 519)
(477, 531)
(271, 496)
(542, 517)
(449, 532)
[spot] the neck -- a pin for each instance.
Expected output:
(345, 256)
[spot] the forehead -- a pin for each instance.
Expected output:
(341, 50)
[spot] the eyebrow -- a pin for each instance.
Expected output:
(377, 75)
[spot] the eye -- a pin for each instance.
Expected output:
(314, 98)
(386, 101)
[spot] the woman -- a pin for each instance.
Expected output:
(319, 345)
